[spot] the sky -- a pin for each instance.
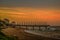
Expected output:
(31, 11)
(30, 3)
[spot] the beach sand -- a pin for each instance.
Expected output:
(21, 35)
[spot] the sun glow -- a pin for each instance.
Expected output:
(30, 14)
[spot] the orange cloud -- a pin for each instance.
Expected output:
(31, 14)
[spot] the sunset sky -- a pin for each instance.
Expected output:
(31, 11)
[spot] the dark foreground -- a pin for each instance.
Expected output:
(35, 37)
(21, 35)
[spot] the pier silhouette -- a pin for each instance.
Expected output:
(33, 26)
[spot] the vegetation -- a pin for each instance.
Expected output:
(5, 22)
(4, 37)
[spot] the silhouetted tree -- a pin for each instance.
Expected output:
(1, 24)
(6, 22)
(13, 24)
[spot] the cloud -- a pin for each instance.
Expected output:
(31, 14)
